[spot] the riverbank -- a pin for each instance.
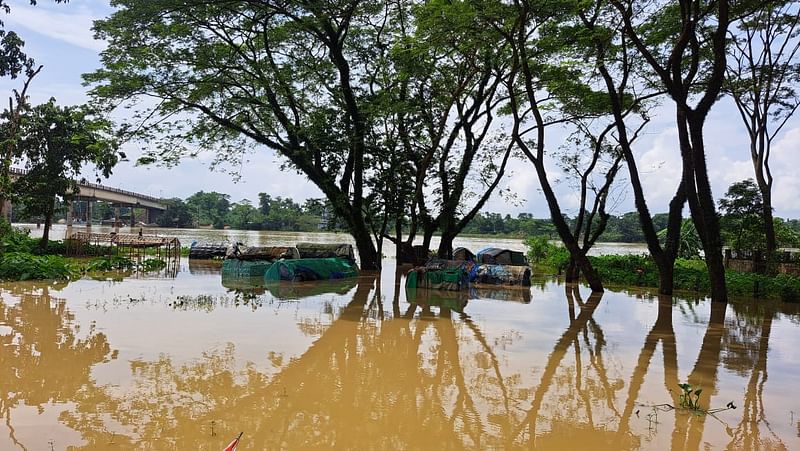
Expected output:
(691, 275)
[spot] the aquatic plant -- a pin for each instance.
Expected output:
(151, 264)
(690, 397)
(109, 263)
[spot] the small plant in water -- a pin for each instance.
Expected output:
(690, 398)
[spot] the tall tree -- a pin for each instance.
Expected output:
(13, 62)
(742, 222)
(56, 142)
(590, 163)
(762, 77)
(684, 43)
(289, 76)
(209, 208)
(537, 83)
(601, 38)
(456, 67)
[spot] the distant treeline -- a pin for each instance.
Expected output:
(271, 213)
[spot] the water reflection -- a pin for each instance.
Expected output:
(46, 357)
(563, 371)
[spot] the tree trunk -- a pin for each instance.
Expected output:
(704, 211)
(769, 224)
(572, 273)
(48, 221)
(666, 275)
(446, 247)
(370, 259)
(427, 236)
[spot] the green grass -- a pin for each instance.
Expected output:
(692, 275)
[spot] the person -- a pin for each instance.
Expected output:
(140, 232)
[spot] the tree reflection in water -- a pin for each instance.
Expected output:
(414, 376)
(45, 356)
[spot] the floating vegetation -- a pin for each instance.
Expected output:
(688, 400)
(205, 302)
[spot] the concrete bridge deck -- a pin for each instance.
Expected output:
(88, 191)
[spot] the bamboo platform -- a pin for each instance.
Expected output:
(134, 245)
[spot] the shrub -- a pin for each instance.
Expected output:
(542, 251)
(26, 266)
(109, 263)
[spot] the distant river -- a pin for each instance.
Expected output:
(272, 238)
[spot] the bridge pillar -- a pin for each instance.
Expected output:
(153, 215)
(70, 213)
(89, 205)
(133, 218)
(116, 219)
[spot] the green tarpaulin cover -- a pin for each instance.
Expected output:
(452, 279)
(311, 269)
(244, 268)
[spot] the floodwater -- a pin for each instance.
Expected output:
(185, 363)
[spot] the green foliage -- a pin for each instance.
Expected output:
(121, 263)
(109, 263)
(689, 244)
(56, 142)
(209, 208)
(152, 264)
(742, 222)
(25, 266)
(541, 251)
(689, 398)
(177, 214)
(15, 240)
(692, 275)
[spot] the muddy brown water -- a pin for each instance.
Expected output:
(185, 363)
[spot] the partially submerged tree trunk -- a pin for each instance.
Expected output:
(679, 73)
(663, 256)
(518, 39)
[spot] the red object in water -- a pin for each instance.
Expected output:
(234, 443)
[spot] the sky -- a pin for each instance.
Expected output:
(60, 38)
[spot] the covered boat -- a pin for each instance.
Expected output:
(502, 275)
(463, 254)
(306, 269)
(206, 251)
(452, 279)
(253, 261)
(326, 250)
(497, 256)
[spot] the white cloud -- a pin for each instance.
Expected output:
(70, 23)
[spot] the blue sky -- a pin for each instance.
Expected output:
(59, 37)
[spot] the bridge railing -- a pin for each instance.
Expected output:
(18, 171)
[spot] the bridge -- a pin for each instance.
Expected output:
(91, 192)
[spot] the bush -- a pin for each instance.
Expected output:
(692, 275)
(26, 266)
(109, 263)
(541, 251)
